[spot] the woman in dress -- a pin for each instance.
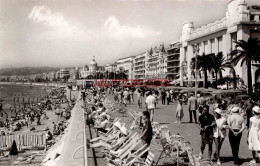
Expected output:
(254, 134)
(179, 111)
(219, 133)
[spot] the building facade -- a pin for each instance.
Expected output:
(240, 22)
(111, 67)
(140, 65)
(173, 61)
(156, 63)
(91, 70)
(126, 64)
(64, 73)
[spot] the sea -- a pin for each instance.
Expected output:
(10, 91)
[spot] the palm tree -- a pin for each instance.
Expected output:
(246, 51)
(217, 63)
(231, 65)
(202, 63)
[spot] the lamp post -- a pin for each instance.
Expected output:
(196, 50)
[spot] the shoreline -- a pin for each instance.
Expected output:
(35, 84)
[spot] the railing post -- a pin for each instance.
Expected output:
(85, 138)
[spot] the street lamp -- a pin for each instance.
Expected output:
(196, 50)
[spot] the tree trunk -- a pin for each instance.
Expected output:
(235, 80)
(216, 86)
(249, 78)
(205, 78)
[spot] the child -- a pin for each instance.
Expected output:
(254, 134)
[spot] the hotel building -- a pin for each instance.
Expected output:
(173, 61)
(140, 65)
(241, 21)
(126, 64)
(156, 63)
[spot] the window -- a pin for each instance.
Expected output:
(233, 40)
(220, 43)
(212, 46)
(205, 46)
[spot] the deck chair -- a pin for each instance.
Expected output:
(126, 146)
(123, 157)
(194, 160)
(136, 155)
(118, 145)
(139, 162)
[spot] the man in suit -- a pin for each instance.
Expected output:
(192, 106)
(163, 95)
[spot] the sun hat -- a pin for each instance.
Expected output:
(219, 111)
(123, 130)
(256, 109)
(235, 109)
(117, 124)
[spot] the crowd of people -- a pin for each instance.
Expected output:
(217, 118)
(24, 116)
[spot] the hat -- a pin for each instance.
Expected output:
(219, 111)
(256, 109)
(235, 109)
(123, 130)
(117, 124)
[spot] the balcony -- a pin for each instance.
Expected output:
(139, 64)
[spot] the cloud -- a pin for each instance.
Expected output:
(115, 29)
(44, 15)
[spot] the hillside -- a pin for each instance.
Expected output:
(27, 71)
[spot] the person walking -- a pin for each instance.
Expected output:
(192, 107)
(201, 101)
(168, 97)
(179, 110)
(131, 93)
(249, 111)
(236, 127)
(150, 103)
(206, 124)
(163, 96)
(126, 96)
(139, 98)
(254, 134)
(219, 133)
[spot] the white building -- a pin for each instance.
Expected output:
(64, 73)
(140, 65)
(127, 65)
(110, 67)
(240, 22)
(91, 70)
(157, 63)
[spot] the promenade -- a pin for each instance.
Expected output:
(165, 115)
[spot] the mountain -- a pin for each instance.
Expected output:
(27, 71)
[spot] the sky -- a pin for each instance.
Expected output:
(67, 33)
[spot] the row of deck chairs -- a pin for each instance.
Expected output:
(127, 151)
